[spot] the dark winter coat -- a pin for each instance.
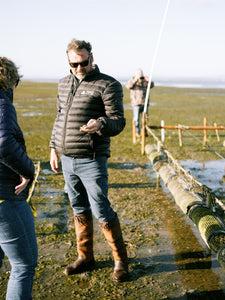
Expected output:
(97, 96)
(14, 161)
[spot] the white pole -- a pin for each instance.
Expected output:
(154, 59)
(162, 131)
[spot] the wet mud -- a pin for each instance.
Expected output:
(167, 257)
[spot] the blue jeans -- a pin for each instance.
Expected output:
(87, 186)
(137, 111)
(18, 242)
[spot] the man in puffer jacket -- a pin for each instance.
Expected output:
(90, 111)
(17, 233)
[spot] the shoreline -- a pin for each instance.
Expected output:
(197, 83)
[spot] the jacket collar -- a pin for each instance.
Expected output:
(7, 94)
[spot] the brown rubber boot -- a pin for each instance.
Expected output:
(113, 235)
(84, 232)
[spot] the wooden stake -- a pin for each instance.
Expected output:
(162, 131)
(180, 137)
(205, 131)
(217, 133)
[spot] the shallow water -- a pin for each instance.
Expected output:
(167, 258)
(52, 206)
(210, 173)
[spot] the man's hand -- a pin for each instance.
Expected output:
(19, 188)
(54, 161)
(92, 126)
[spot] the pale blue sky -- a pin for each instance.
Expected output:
(123, 34)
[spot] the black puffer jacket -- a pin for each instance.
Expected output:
(13, 158)
(97, 96)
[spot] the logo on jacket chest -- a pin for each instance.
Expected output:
(89, 93)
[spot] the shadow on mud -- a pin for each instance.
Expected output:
(196, 295)
(138, 185)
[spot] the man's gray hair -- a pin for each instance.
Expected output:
(77, 45)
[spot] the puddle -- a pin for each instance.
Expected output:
(126, 166)
(47, 171)
(31, 114)
(52, 210)
(210, 173)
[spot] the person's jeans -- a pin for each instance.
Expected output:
(18, 242)
(137, 111)
(87, 186)
(1, 256)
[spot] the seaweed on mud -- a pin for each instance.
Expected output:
(160, 240)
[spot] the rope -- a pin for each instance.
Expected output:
(191, 179)
(154, 58)
(37, 171)
(183, 127)
(215, 152)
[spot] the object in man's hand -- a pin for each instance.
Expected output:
(83, 127)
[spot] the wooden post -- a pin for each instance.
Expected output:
(180, 137)
(134, 132)
(205, 131)
(162, 131)
(217, 133)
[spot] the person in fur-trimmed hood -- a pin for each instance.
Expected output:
(138, 88)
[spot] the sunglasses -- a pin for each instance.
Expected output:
(82, 64)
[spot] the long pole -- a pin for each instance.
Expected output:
(188, 127)
(154, 59)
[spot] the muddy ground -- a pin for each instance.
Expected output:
(167, 257)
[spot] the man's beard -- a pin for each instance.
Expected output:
(80, 76)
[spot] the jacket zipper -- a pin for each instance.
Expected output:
(69, 103)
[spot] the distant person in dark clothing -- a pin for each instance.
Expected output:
(138, 87)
